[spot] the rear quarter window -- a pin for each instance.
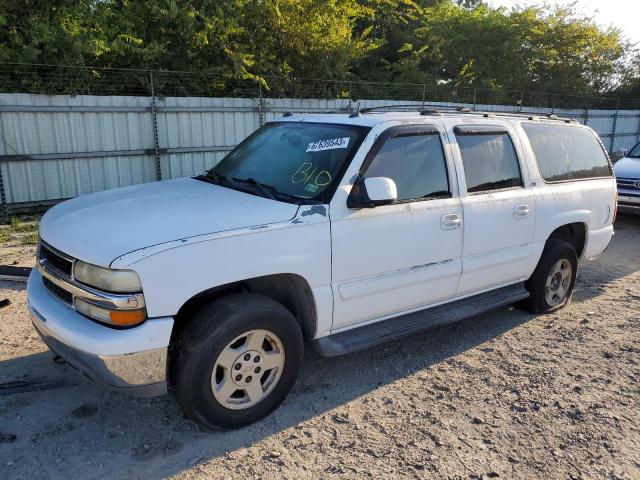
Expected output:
(567, 153)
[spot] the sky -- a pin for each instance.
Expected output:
(624, 14)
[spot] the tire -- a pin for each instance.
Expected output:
(212, 338)
(556, 254)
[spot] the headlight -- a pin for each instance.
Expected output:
(118, 281)
(121, 318)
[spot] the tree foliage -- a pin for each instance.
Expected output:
(459, 43)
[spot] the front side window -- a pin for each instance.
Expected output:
(415, 163)
(566, 152)
(635, 152)
(295, 159)
(489, 160)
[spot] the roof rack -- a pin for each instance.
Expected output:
(413, 108)
(434, 109)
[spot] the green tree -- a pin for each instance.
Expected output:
(451, 44)
(533, 49)
(304, 38)
(630, 82)
(174, 35)
(64, 32)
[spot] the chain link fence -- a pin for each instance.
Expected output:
(66, 131)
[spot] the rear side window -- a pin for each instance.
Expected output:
(415, 163)
(489, 160)
(567, 153)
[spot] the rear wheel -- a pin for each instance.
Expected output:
(552, 282)
(235, 361)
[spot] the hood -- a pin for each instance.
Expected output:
(627, 168)
(100, 227)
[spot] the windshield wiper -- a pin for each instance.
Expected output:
(267, 190)
(211, 176)
(211, 173)
(274, 194)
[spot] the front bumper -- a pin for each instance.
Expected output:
(628, 200)
(133, 361)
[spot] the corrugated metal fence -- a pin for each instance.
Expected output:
(57, 146)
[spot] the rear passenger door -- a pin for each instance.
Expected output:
(498, 205)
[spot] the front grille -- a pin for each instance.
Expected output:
(630, 183)
(56, 260)
(62, 294)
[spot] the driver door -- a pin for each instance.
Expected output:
(394, 258)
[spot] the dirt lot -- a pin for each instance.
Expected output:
(503, 395)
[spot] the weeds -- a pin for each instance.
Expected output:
(25, 233)
(26, 228)
(30, 238)
(19, 227)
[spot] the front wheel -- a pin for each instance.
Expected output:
(551, 284)
(235, 361)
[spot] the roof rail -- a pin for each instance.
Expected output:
(413, 108)
(435, 109)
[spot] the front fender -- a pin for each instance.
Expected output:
(173, 273)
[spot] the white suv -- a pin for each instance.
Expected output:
(344, 230)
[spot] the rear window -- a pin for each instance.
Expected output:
(567, 153)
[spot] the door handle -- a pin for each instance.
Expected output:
(521, 211)
(450, 221)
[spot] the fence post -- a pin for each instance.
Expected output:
(261, 119)
(613, 129)
(424, 91)
(638, 134)
(4, 212)
(475, 97)
(521, 101)
(154, 120)
(350, 94)
(585, 117)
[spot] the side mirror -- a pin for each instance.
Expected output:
(621, 152)
(372, 192)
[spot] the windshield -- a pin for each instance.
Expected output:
(290, 159)
(635, 151)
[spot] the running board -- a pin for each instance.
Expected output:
(395, 328)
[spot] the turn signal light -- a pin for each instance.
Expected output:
(126, 318)
(119, 318)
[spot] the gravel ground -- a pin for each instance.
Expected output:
(503, 395)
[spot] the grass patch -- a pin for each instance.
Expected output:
(5, 235)
(18, 226)
(30, 238)
(26, 228)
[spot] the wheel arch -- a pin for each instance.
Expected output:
(574, 233)
(290, 290)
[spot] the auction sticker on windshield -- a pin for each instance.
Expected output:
(330, 144)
